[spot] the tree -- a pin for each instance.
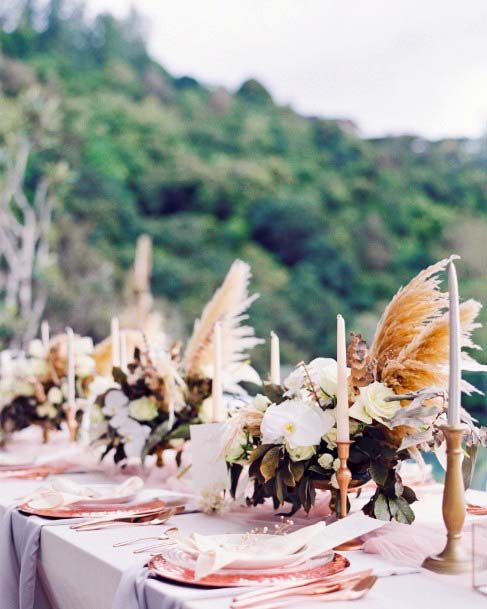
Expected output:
(26, 208)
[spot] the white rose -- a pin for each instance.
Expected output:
(84, 365)
(235, 451)
(143, 409)
(371, 405)
(47, 410)
(296, 422)
(331, 438)
(83, 345)
(334, 481)
(261, 402)
(36, 349)
(301, 453)
(37, 367)
(326, 461)
(55, 395)
(336, 464)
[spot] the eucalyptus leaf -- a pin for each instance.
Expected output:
(154, 439)
(381, 508)
(423, 437)
(270, 463)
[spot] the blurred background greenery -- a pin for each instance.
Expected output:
(330, 221)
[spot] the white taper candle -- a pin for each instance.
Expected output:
(123, 351)
(455, 348)
(71, 403)
(45, 334)
(343, 419)
(275, 360)
(115, 328)
(219, 413)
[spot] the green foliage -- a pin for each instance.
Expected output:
(330, 222)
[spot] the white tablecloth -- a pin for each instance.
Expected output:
(83, 569)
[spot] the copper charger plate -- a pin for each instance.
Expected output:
(165, 569)
(88, 510)
(29, 472)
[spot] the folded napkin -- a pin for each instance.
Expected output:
(63, 491)
(215, 552)
(218, 551)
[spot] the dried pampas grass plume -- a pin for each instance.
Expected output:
(228, 305)
(409, 312)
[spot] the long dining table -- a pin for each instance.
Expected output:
(82, 570)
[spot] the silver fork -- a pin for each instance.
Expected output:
(161, 537)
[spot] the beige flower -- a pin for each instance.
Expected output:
(326, 461)
(47, 410)
(55, 395)
(234, 451)
(371, 405)
(301, 453)
(143, 409)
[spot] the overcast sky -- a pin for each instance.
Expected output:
(415, 66)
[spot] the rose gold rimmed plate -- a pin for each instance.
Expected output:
(38, 471)
(90, 510)
(165, 569)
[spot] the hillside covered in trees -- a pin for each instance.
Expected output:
(330, 222)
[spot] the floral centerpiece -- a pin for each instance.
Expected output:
(287, 437)
(35, 390)
(153, 405)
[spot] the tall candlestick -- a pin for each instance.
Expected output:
(45, 334)
(123, 351)
(71, 369)
(343, 420)
(455, 348)
(115, 342)
(275, 360)
(70, 407)
(217, 388)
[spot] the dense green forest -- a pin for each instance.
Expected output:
(330, 222)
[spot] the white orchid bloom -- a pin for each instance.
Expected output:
(297, 423)
(116, 407)
(322, 372)
(134, 436)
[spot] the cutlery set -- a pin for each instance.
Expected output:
(149, 517)
(335, 588)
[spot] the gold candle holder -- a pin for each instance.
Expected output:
(72, 424)
(452, 560)
(344, 477)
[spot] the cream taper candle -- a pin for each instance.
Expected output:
(455, 348)
(123, 351)
(219, 413)
(45, 334)
(343, 419)
(71, 370)
(275, 360)
(115, 328)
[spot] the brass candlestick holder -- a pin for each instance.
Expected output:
(344, 477)
(71, 423)
(452, 560)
